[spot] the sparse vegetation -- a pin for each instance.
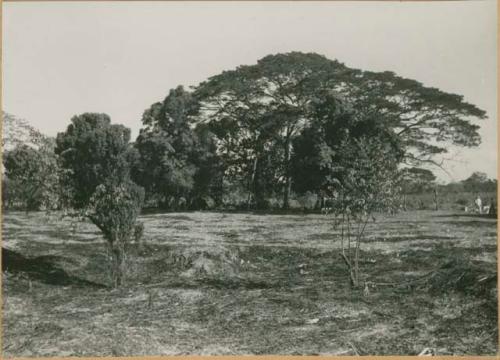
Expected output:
(271, 284)
(364, 180)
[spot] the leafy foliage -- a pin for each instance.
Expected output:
(270, 104)
(163, 169)
(175, 161)
(416, 180)
(261, 131)
(363, 181)
(114, 208)
(322, 145)
(97, 157)
(479, 182)
(259, 107)
(93, 150)
(208, 186)
(32, 177)
(17, 131)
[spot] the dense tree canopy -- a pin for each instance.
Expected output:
(32, 177)
(257, 133)
(265, 131)
(93, 150)
(169, 150)
(275, 100)
(416, 180)
(323, 143)
(114, 208)
(479, 182)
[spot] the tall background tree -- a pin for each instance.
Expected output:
(274, 100)
(176, 164)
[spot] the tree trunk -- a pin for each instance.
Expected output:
(358, 244)
(436, 204)
(287, 186)
(318, 205)
(253, 182)
(118, 266)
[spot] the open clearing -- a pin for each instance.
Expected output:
(238, 283)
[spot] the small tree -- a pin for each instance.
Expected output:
(96, 156)
(92, 150)
(114, 208)
(363, 181)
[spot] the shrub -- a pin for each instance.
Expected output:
(32, 174)
(114, 208)
(308, 200)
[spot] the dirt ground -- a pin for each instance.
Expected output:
(237, 283)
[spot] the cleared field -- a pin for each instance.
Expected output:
(239, 283)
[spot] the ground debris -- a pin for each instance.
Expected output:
(249, 296)
(463, 276)
(427, 352)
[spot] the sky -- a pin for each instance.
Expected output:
(61, 59)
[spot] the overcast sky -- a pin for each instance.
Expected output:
(62, 59)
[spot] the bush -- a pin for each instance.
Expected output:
(308, 200)
(33, 182)
(114, 208)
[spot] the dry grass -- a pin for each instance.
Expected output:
(213, 283)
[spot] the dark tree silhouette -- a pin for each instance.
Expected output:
(272, 101)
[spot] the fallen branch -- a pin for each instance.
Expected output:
(356, 351)
(408, 282)
(348, 263)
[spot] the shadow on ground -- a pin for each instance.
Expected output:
(482, 216)
(41, 268)
(465, 223)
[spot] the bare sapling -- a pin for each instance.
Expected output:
(365, 182)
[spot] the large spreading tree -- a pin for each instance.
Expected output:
(274, 100)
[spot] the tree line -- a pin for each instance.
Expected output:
(254, 136)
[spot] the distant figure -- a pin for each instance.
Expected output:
(326, 210)
(493, 209)
(479, 204)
